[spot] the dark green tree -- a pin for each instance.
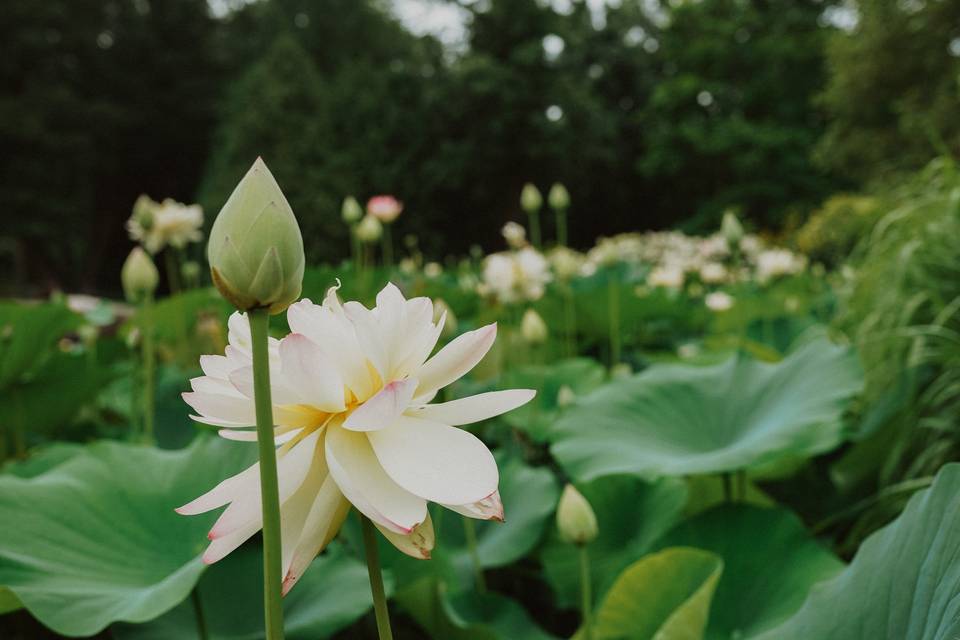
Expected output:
(100, 100)
(892, 94)
(731, 121)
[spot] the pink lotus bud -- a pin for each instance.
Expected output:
(384, 208)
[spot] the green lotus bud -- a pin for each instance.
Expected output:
(731, 229)
(530, 198)
(370, 229)
(255, 249)
(139, 276)
(575, 518)
(533, 328)
(558, 197)
(351, 211)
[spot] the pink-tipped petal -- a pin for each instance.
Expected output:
(383, 409)
(363, 481)
(416, 544)
(490, 508)
(292, 468)
(475, 408)
(435, 461)
(226, 491)
(455, 359)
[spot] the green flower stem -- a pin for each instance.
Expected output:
(272, 608)
(376, 579)
(387, 242)
(561, 216)
(570, 314)
(173, 270)
(613, 308)
(149, 367)
(202, 633)
(533, 218)
(470, 532)
(727, 487)
(355, 248)
(586, 599)
(19, 425)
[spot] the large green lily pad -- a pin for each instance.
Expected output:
(663, 596)
(676, 419)
(28, 335)
(769, 565)
(333, 593)
(95, 539)
(631, 515)
(904, 581)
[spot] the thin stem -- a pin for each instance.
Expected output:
(19, 425)
(470, 532)
(173, 270)
(561, 215)
(571, 318)
(149, 367)
(387, 242)
(586, 598)
(198, 614)
(727, 488)
(613, 308)
(742, 485)
(272, 608)
(376, 579)
(355, 248)
(533, 218)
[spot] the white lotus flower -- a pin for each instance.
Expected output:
(719, 301)
(171, 222)
(351, 390)
(713, 273)
(515, 276)
(773, 263)
(668, 276)
(514, 234)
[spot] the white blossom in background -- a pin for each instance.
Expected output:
(352, 392)
(773, 263)
(516, 276)
(566, 263)
(156, 225)
(719, 301)
(514, 234)
(668, 276)
(713, 273)
(432, 270)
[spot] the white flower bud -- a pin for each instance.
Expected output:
(558, 197)
(139, 276)
(565, 397)
(575, 518)
(530, 198)
(351, 210)
(533, 328)
(369, 230)
(731, 229)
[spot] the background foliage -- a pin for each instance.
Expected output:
(668, 114)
